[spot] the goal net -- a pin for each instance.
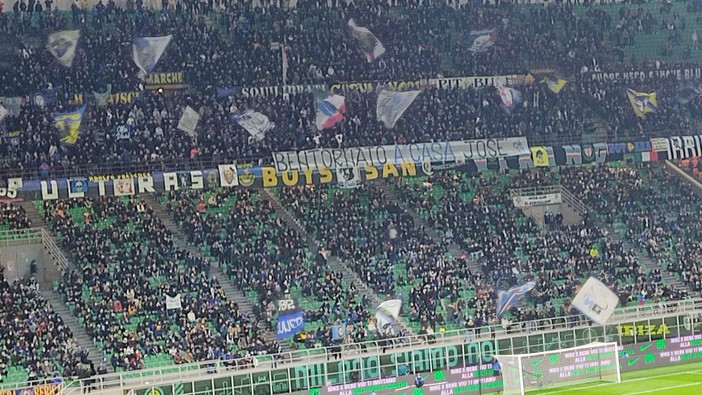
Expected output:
(596, 362)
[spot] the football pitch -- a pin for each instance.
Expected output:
(683, 379)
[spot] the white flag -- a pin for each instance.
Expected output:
(596, 301)
(391, 106)
(372, 47)
(3, 112)
(63, 46)
(255, 123)
(173, 303)
(388, 312)
(188, 122)
(146, 52)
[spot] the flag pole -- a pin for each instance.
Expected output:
(284, 62)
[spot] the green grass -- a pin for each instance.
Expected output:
(679, 379)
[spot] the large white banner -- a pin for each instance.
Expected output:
(538, 200)
(596, 301)
(378, 156)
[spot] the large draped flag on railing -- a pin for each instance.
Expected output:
(642, 103)
(372, 47)
(291, 319)
(391, 105)
(511, 98)
(68, 123)
(146, 52)
(330, 109)
(596, 301)
(255, 123)
(507, 299)
(63, 45)
(388, 312)
(481, 40)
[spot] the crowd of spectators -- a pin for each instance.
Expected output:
(34, 337)
(639, 198)
(261, 253)
(14, 217)
(233, 44)
(126, 267)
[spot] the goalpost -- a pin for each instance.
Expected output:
(595, 362)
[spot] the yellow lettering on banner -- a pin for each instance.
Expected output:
(409, 169)
(269, 177)
(371, 173)
(290, 178)
(390, 169)
(325, 175)
(78, 98)
(308, 176)
(48, 389)
(663, 329)
(7, 392)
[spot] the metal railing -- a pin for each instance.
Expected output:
(217, 368)
(54, 250)
(12, 237)
(577, 204)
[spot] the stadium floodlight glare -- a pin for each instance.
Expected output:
(595, 362)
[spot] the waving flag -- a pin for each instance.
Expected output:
(68, 123)
(505, 300)
(146, 52)
(291, 319)
(596, 301)
(102, 98)
(391, 106)
(642, 103)
(481, 40)
(372, 47)
(188, 121)
(63, 46)
(3, 112)
(255, 123)
(555, 84)
(388, 312)
(511, 98)
(330, 109)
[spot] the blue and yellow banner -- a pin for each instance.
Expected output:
(68, 123)
(642, 103)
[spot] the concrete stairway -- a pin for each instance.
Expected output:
(334, 263)
(230, 291)
(50, 270)
(77, 329)
(452, 248)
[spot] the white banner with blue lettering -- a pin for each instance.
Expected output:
(596, 301)
(378, 156)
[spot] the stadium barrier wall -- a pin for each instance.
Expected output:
(306, 370)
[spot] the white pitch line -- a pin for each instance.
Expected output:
(664, 388)
(628, 381)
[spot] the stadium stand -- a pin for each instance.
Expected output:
(126, 267)
(270, 261)
(13, 217)
(636, 202)
(36, 345)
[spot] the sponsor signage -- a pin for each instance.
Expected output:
(439, 152)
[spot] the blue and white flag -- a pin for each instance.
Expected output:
(63, 46)
(391, 106)
(481, 40)
(78, 184)
(48, 95)
(330, 109)
(372, 47)
(102, 98)
(68, 123)
(255, 123)
(505, 300)
(388, 312)
(596, 301)
(511, 98)
(146, 52)
(291, 319)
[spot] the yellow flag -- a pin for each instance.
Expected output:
(539, 155)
